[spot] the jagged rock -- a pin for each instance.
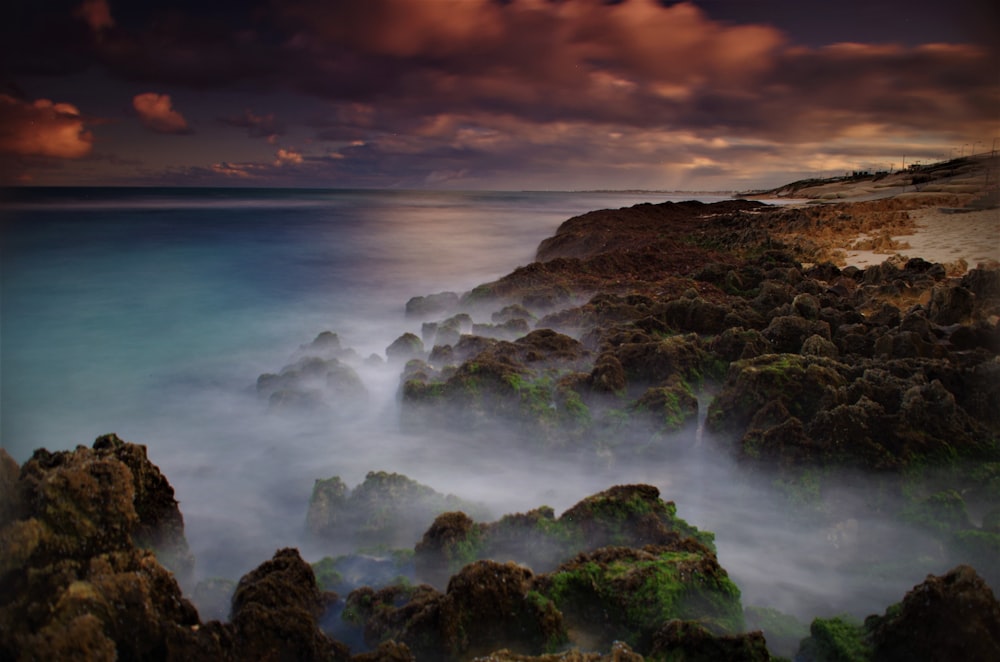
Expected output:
(812, 409)
(406, 347)
(668, 408)
(786, 333)
(448, 544)
(739, 343)
(161, 525)
(668, 570)
(817, 345)
(507, 382)
(70, 557)
(772, 295)
(608, 375)
(622, 515)
(694, 314)
(807, 306)
(950, 304)
(314, 383)
(509, 330)
(950, 617)
(432, 304)
(689, 641)
(487, 606)
(827, 272)
(656, 362)
(802, 385)
(387, 509)
(512, 312)
(886, 315)
(104, 499)
(628, 593)
(10, 503)
(276, 610)
(854, 339)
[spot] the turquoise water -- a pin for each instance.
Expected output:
(114, 299)
(151, 312)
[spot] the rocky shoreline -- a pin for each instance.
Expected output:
(635, 333)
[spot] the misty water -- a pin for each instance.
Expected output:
(151, 312)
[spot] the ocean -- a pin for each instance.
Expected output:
(150, 312)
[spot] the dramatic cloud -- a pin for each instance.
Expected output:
(43, 128)
(637, 63)
(157, 113)
(404, 92)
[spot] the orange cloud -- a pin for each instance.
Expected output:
(96, 14)
(43, 128)
(157, 114)
(287, 157)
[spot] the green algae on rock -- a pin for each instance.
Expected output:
(628, 593)
(954, 616)
(624, 515)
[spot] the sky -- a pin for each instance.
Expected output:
(491, 94)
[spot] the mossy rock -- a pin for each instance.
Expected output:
(628, 593)
(837, 639)
(668, 408)
(802, 384)
(689, 641)
(487, 606)
(627, 515)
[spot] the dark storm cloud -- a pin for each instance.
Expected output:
(639, 62)
(636, 63)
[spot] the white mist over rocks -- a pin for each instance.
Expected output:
(151, 314)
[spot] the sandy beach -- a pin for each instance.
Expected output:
(947, 213)
(950, 239)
